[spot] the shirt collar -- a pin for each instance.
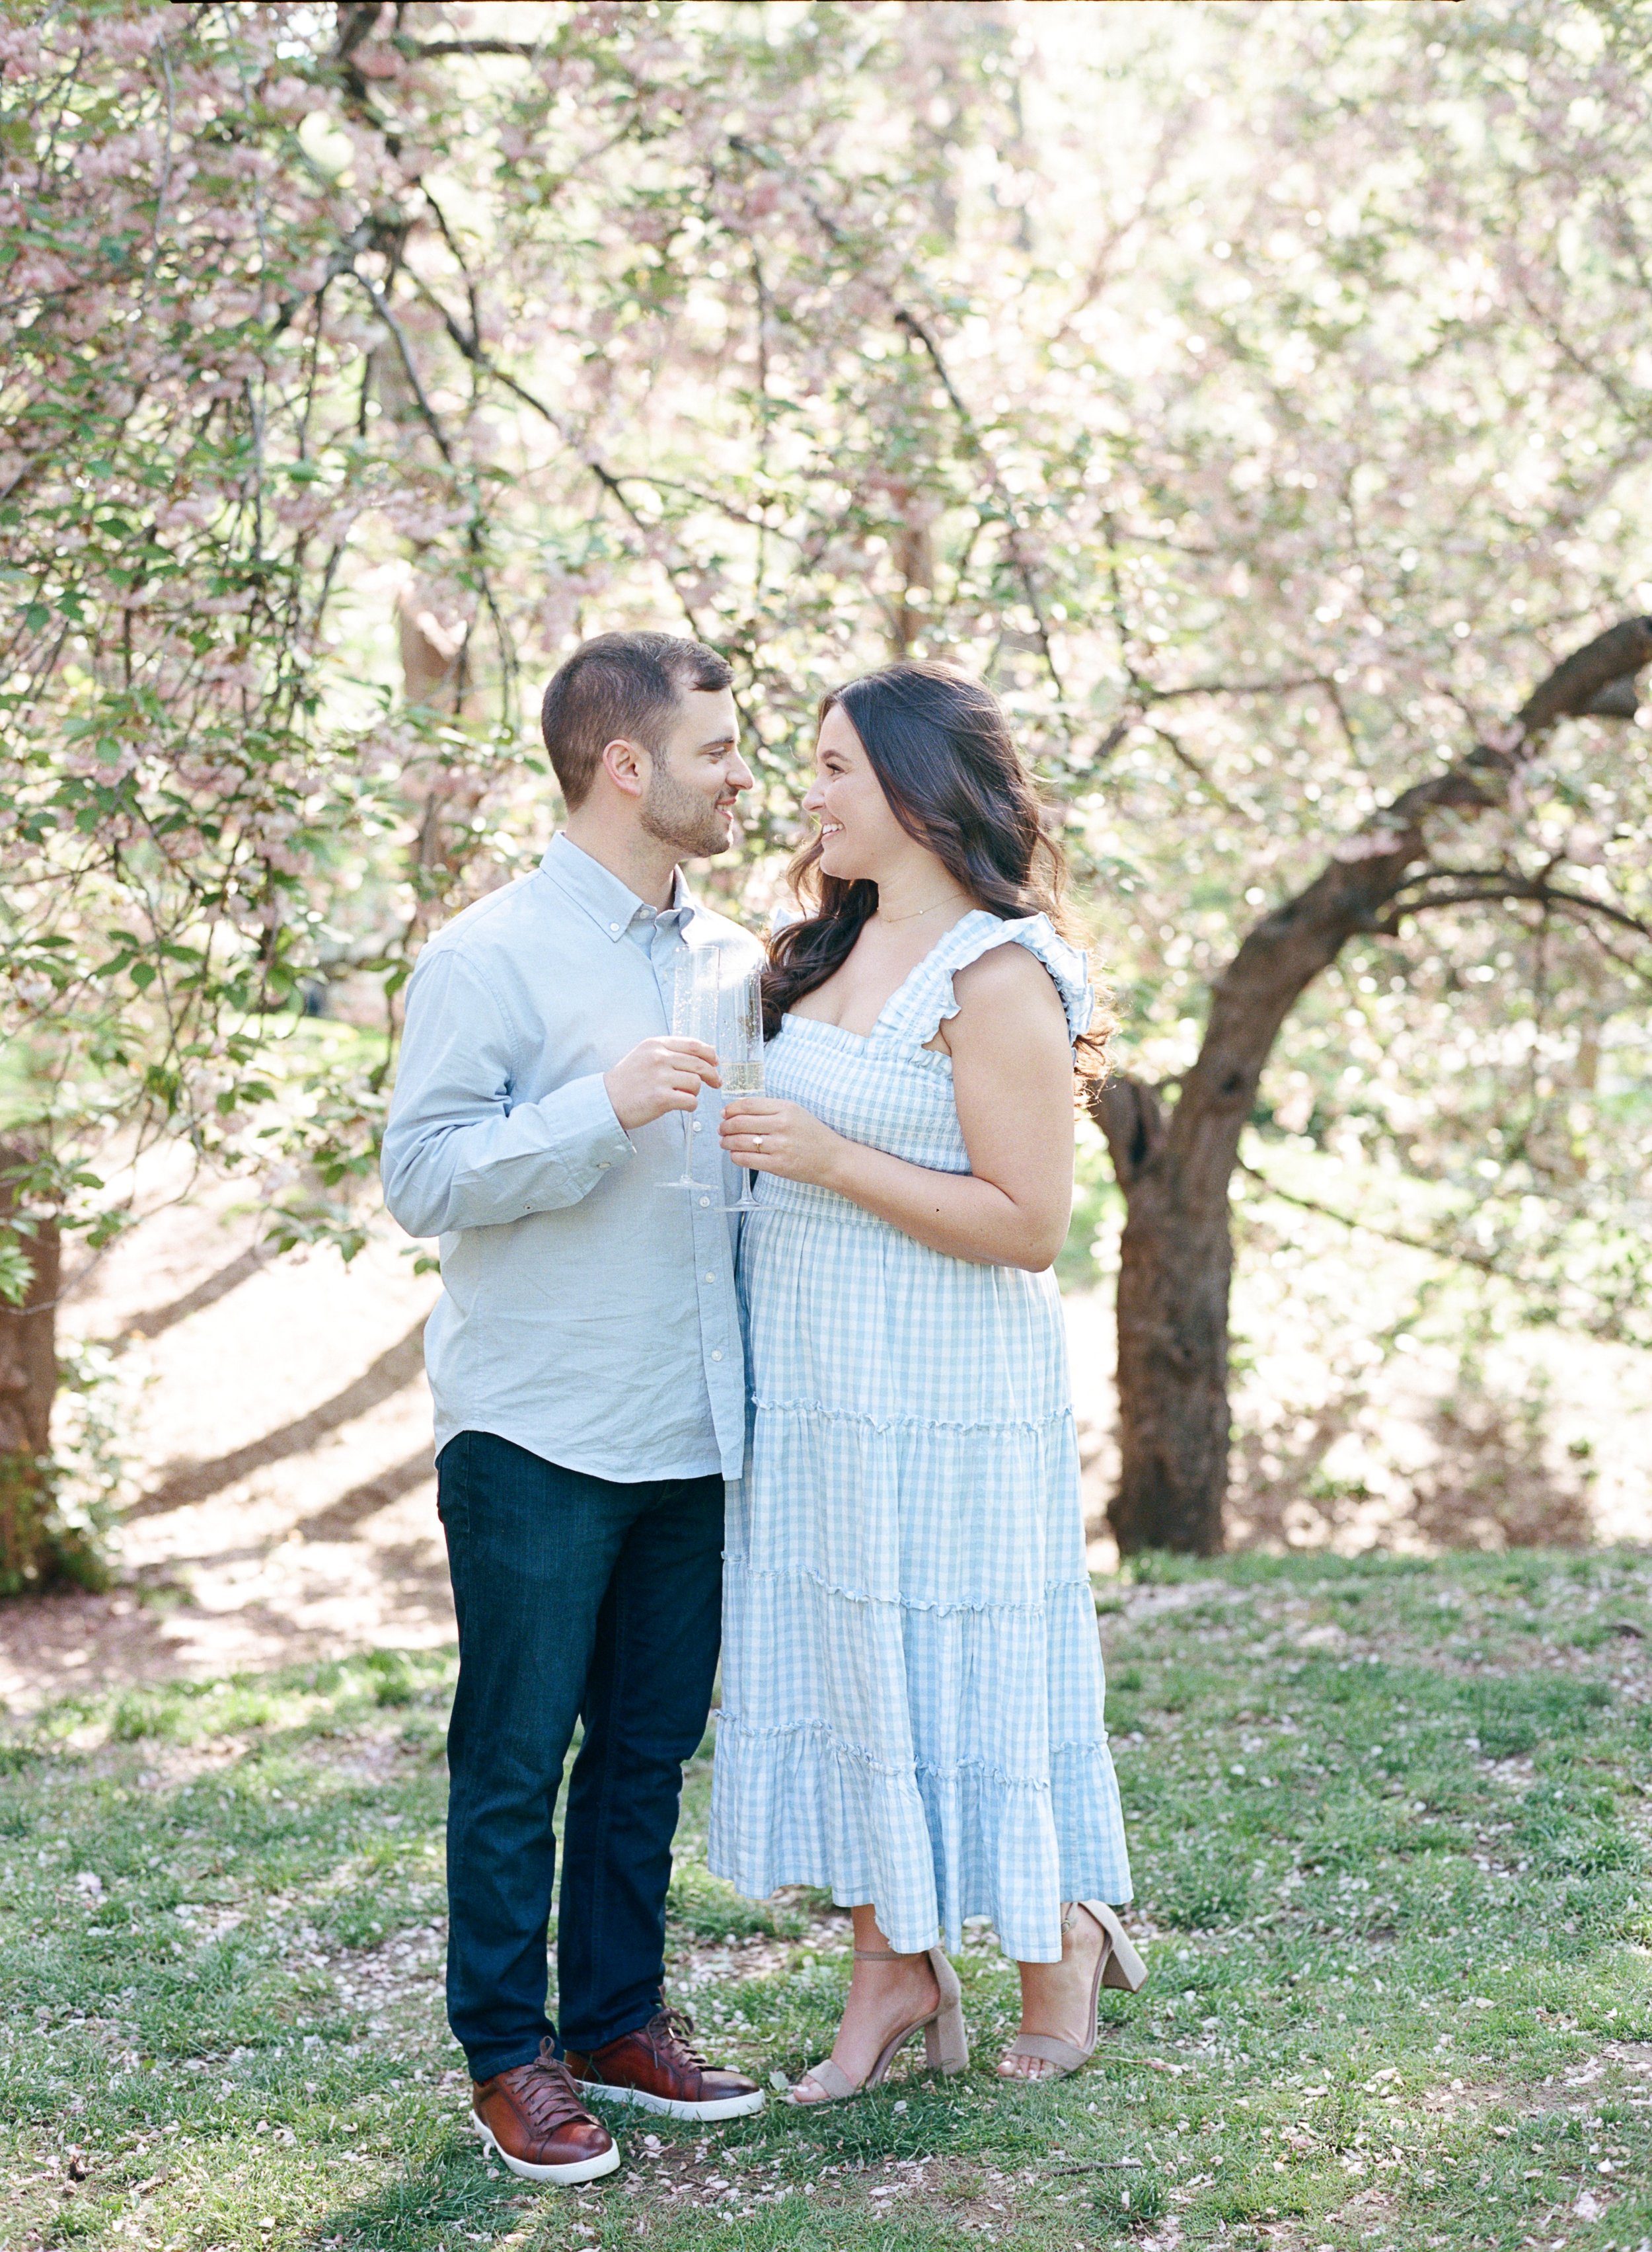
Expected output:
(611, 905)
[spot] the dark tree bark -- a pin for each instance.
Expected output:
(1175, 1166)
(28, 1381)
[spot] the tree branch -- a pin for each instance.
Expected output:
(1131, 1115)
(1356, 891)
(1238, 687)
(1183, 757)
(916, 328)
(904, 318)
(381, 306)
(1618, 654)
(426, 50)
(1512, 887)
(1480, 1260)
(612, 484)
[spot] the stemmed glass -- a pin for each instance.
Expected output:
(740, 1048)
(695, 987)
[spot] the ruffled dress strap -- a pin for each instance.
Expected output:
(920, 1010)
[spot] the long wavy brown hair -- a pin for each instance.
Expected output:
(941, 749)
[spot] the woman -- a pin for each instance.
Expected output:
(912, 1695)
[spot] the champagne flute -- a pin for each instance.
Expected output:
(740, 1048)
(694, 1013)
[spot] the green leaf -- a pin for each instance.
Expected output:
(17, 1272)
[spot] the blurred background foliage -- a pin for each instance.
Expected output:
(1261, 399)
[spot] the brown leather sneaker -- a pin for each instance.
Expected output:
(533, 2117)
(656, 2069)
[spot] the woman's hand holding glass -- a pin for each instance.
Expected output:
(768, 1137)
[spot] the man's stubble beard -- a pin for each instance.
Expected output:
(681, 817)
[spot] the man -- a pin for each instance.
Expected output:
(589, 1385)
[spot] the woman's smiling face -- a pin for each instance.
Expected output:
(859, 834)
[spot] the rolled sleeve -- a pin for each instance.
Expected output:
(458, 1152)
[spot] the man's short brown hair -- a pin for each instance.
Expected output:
(619, 686)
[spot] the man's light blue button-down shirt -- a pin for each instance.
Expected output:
(587, 1311)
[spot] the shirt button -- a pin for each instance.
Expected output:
(602, 1164)
(711, 1278)
(697, 1125)
(704, 1201)
(717, 1356)
(613, 927)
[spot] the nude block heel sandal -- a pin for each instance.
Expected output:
(945, 2042)
(1120, 1965)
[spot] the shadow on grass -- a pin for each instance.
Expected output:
(450, 2190)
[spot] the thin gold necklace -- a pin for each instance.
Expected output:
(916, 912)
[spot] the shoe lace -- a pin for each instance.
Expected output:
(673, 2029)
(548, 2094)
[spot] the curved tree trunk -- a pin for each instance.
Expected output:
(28, 1382)
(1174, 1168)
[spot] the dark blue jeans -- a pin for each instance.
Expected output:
(577, 1600)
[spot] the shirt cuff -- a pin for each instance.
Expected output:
(602, 1141)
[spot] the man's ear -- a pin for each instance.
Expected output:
(627, 767)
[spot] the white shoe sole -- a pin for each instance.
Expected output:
(667, 2107)
(576, 2170)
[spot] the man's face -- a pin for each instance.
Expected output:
(693, 782)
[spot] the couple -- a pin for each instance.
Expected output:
(912, 1712)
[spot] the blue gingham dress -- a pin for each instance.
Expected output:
(911, 1677)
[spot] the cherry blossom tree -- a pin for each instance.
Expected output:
(1263, 450)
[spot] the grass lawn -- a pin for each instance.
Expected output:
(1390, 1824)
